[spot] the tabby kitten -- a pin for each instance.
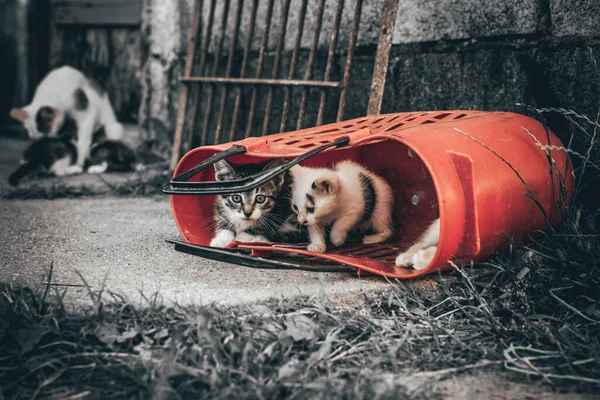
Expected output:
(260, 215)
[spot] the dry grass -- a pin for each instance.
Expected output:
(532, 314)
(147, 183)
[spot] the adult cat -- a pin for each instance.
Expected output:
(66, 93)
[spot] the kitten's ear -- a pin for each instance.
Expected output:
(224, 171)
(274, 163)
(326, 185)
(278, 179)
(20, 114)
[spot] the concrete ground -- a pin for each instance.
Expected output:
(124, 241)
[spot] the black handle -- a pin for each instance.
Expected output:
(179, 184)
(237, 256)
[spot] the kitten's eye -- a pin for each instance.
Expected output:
(310, 210)
(236, 198)
(260, 199)
(294, 208)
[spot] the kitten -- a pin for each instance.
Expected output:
(57, 154)
(420, 254)
(66, 92)
(260, 215)
(348, 198)
(111, 156)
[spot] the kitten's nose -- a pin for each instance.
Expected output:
(247, 214)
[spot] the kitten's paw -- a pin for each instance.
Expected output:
(98, 169)
(338, 238)
(404, 259)
(245, 237)
(316, 247)
(73, 169)
(422, 258)
(260, 239)
(376, 238)
(219, 242)
(222, 239)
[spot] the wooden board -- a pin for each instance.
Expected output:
(97, 12)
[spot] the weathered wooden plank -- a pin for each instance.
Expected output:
(97, 12)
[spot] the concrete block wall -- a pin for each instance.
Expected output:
(446, 54)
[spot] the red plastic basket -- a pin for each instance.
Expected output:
(486, 175)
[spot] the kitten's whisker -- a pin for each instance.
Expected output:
(269, 227)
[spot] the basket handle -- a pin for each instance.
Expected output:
(179, 184)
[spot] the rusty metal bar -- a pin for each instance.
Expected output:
(183, 95)
(311, 61)
(238, 95)
(263, 46)
(330, 58)
(236, 31)
(202, 67)
(266, 82)
(349, 59)
(211, 89)
(276, 63)
(388, 21)
(286, 101)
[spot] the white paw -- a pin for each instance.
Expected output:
(404, 259)
(222, 239)
(219, 242)
(73, 169)
(245, 237)
(370, 239)
(316, 247)
(423, 258)
(97, 169)
(338, 238)
(261, 239)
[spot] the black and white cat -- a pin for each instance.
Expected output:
(421, 253)
(347, 198)
(66, 93)
(57, 154)
(261, 215)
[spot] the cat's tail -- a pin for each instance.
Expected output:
(21, 172)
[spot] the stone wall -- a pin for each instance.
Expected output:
(446, 54)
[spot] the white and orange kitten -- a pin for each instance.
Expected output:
(65, 93)
(421, 253)
(346, 198)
